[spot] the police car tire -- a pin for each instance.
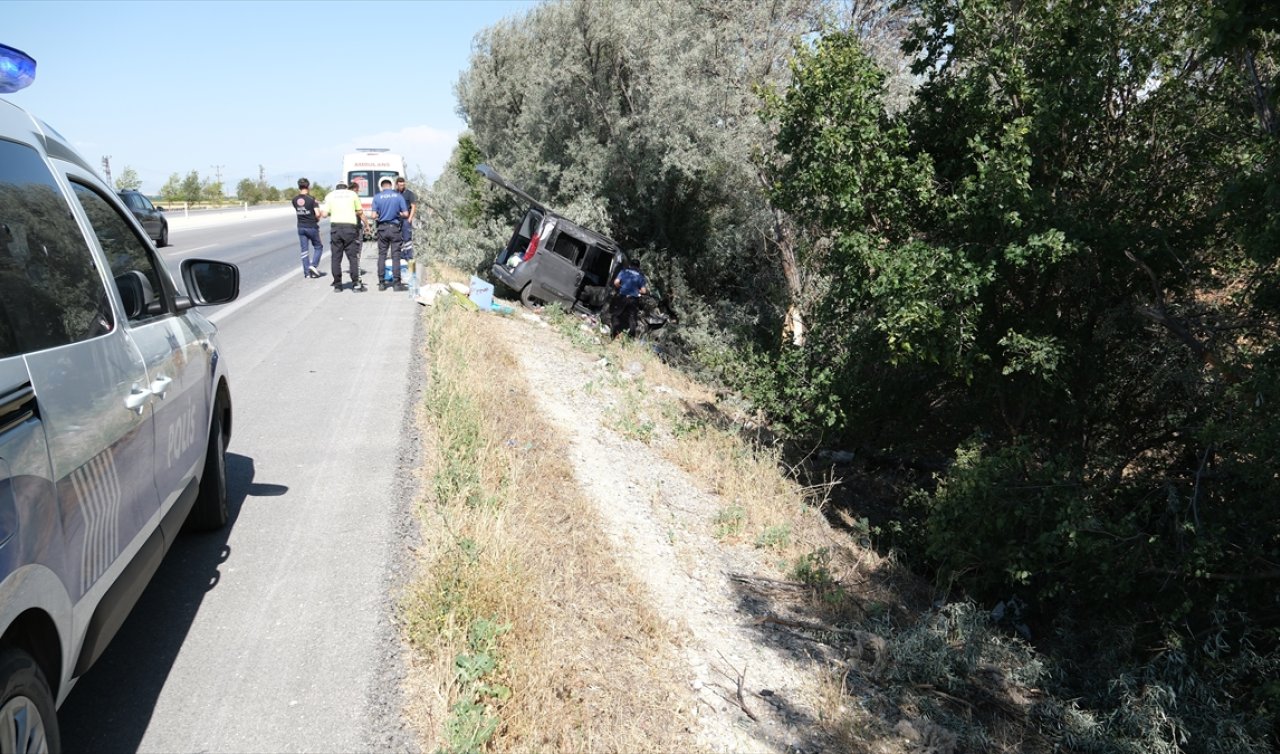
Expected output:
(210, 511)
(28, 717)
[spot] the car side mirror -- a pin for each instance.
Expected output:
(159, 208)
(135, 293)
(210, 282)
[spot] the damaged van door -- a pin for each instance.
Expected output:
(551, 259)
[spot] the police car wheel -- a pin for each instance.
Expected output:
(210, 510)
(28, 718)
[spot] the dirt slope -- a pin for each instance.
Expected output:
(759, 689)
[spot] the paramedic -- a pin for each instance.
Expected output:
(304, 205)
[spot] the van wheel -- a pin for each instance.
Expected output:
(210, 510)
(528, 299)
(28, 719)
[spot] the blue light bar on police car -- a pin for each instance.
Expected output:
(17, 69)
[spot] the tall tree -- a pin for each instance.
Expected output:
(171, 191)
(128, 180)
(641, 120)
(248, 191)
(191, 189)
(1045, 265)
(211, 191)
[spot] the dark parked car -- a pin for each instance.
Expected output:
(552, 259)
(152, 217)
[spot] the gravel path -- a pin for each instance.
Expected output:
(757, 685)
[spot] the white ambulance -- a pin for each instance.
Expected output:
(363, 170)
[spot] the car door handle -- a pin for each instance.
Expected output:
(137, 399)
(160, 385)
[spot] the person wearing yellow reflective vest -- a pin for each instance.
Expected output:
(342, 206)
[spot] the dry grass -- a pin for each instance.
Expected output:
(509, 543)
(763, 504)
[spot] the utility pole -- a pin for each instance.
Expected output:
(217, 171)
(106, 169)
(262, 175)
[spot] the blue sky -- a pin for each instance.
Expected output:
(171, 87)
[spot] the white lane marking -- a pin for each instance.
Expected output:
(198, 248)
(232, 308)
(266, 233)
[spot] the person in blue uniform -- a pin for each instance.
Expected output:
(630, 285)
(391, 210)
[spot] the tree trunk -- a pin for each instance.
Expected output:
(793, 327)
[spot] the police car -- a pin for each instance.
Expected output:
(115, 414)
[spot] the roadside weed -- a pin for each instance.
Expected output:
(775, 537)
(813, 569)
(471, 723)
(730, 521)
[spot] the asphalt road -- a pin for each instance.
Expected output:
(276, 634)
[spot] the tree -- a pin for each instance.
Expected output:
(211, 191)
(191, 189)
(1054, 270)
(171, 191)
(128, 180)
(248, 191)
(640, 120)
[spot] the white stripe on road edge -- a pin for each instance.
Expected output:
(267, 233)
(232, 308)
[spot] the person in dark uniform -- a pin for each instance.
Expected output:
(304, 205)
(406, 234)
(391, 210)
(630, 285)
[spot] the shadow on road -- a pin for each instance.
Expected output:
(111, 706)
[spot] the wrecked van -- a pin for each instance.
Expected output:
(551, 259)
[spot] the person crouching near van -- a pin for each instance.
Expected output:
(391, 210)
(343, 208)
(630, 284)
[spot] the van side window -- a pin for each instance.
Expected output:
(51, 292)
(128, 257)
(596, 268)
(568, 247)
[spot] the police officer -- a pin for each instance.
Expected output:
(343, 208)
(630, 285)
(391, 210)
